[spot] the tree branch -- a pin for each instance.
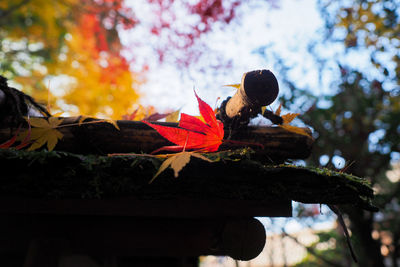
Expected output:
(336, 210)
(7, 12)
(312, 251)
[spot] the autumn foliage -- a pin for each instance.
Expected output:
(74, 48)
(193, 133)
(77, 42)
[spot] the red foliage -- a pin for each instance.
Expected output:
(179, 37)
(193, 133)
(100, 19)
(182, 37)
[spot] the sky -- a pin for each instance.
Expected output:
(285, 30)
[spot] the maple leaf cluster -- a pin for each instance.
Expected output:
(193, 133)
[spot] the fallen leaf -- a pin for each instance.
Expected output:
(236, 85)
(132, 116)
(45, 132)
(263, 108)
(156, 116)
(113, 122)
(200, 156)
(288, 118)
(82, 118)
(173, 116)
(177, 162)
(192, 132)
(295, 129)
(278, 110)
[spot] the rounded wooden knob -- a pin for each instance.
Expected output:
(258, 88)
(243, 239)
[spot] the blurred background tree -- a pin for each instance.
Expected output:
(357, 127)
(76, 40)
(79, 43)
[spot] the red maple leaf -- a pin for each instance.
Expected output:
(193, 133)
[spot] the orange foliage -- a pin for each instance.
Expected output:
(80, 43)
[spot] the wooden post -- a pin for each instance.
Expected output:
(258, 88)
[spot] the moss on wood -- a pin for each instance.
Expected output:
(233, 175)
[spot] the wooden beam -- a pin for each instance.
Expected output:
(240, 238)
(137, 137)
(131, 206)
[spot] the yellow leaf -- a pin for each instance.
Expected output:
(236, 85)
(37, 144)
(81, 119)
(163, 166)
(54, 122)
(57, 114)
(180, 161)
(263, 109)
(177, 162)
(197, 155)
(287, 118)
(39, 122)
(295, 129)
(45, 132)
(114, 123)
(278, 111)
(173, 117)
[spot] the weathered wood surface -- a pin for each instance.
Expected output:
(234, 177)
(137, 137)
(258, 88)
(178, 207)
(240, 238)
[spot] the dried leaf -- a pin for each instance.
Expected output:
(113, 122)
(263, 109)
(180, 161)
(45, 132)
(295, 129)
(162, 168)
(177, 162)
(140, 113)
(236, 85)
(130, 117)
(173, 117)
(156, 116)
(288, 118)
(200, 156)
(278, 111)
(82, 118)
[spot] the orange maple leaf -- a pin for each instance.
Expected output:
(192, 132)
(287, 119)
